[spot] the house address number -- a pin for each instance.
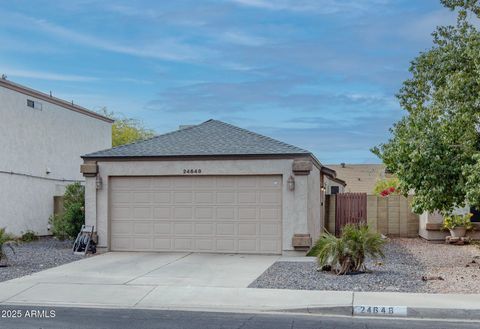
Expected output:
(380, 310)
(192, 171)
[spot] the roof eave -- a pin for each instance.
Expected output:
(190, 157)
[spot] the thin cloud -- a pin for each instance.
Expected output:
(166, 49)
(324, 7)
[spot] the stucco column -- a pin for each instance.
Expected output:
(90, 202)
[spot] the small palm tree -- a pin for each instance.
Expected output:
(6, 240)
(347, 254)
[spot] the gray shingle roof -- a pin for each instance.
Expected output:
(206, 139)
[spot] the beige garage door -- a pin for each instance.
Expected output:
(232, 214)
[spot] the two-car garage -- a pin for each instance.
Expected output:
(234, 214)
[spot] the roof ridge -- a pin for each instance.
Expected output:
(258, 135)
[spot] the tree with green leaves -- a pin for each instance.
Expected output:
(127, 130)
(434, 148)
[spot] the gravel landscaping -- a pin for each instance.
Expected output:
(35, 256)
(406, 262)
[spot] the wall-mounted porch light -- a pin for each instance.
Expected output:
(98, 182)
(291, 183)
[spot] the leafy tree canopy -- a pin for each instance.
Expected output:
(127, 130)
(434, 148)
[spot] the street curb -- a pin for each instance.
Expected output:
(443, 313)
(328, 310)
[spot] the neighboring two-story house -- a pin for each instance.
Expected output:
(41, 141)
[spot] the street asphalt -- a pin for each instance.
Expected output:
(73, 318)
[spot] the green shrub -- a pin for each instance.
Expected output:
(28, 236)
(347, 254)
(68, 224)
(451, 222)
(6, 240)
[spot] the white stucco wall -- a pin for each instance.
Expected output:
(296, 207)
(33, 140)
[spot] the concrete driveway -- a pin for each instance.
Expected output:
(162, 281)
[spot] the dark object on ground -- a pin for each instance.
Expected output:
(457, 241)
(84, 242)
(431, 277)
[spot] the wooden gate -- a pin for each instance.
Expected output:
(349, 208)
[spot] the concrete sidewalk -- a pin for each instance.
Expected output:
(211, 283)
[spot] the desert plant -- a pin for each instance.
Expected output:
(28, 236)
(451, 222)
(6, 240)
(347, 254)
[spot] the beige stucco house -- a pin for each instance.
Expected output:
(211, 187)
(42, 139)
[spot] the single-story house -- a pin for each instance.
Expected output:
(42, 140)
(211, 187)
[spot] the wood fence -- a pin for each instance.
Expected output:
(390, 215)
(350, 208)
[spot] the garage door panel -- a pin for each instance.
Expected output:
(226, 213)
(247, 197)
(162, 228)
(183, 213)
(182, 228)
(225, 229)
(162, 243)
(182, 197)
(162, 197)
(267, 197)
(272, 229)
(248, 229)
(247, 213)
(204, 213)
(143, 243)
(121, 212)
(162, 213)
(247, 245)
(196, 213)
(143, 228)
(142, 212)
(181, 244)
(204, 229)
(204, 245)
(226, 245)
(122, 227)
(270, 214)
(226, 197)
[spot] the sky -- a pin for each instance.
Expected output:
(318, 74)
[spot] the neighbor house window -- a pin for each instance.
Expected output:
(34, 104)
(334, 189)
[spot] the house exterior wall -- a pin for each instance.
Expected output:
(33, 140)
(435, 220)
(315, 218)
(297, 211)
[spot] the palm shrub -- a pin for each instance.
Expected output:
(6, 240)
(347, 254)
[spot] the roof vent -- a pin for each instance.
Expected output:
(181, 127)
